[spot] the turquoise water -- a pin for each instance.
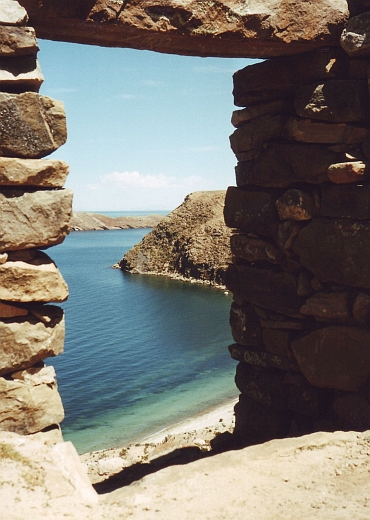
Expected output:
(141, 352)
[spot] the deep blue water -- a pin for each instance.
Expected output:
(141, 352)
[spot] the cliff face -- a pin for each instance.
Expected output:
(191, 242)
(82, 221)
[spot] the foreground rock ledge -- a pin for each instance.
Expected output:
(323, 475)
(201, 28)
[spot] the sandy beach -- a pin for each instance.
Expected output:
(188, 440)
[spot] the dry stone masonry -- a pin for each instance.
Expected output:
(301, 216)
(34, 213)
(300, 210)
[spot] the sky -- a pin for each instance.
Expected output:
(144, 129)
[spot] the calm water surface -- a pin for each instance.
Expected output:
(141, 352)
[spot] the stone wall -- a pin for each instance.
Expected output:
(301, 267)
(34, 214)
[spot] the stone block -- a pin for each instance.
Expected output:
(278, 78)
(37, 280)
(347, 172)
(34, 219)
(255, 249)
(259, 358)
(255, 423)
(336, 250)
(304, 399)
(245, 325)
(17, 41)
(27, 341)
(251, 211)
(336, 101)
(287, 233)
(335, 357)
(361, 308)
(46, 173)
(31, 125)
(345, 201)
(11, 13)
(355, 39)
(353, 412)
(274, 291)
(284, 163)
(330, 306)
(295, 205)
(263, 386)
(252, 135)
(278, 342)
(304, 287)
(20, 74)
(311, 131)
(278, 106)
(30, 402)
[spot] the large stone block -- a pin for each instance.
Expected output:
(355, 39)
(17, 41)
(31, 126)
(278, 78)
(11, 13)
(255, 423)
(336, 101)
(245, 325)
(252, 135)
(278, 106)
(259, 358)
(194, 27)
(328, 306)
(336, 250)
(275, 291)
(45, 173)
(345, 201)
(251, 211)
(264, 387)
(30, 402)
(26, 341)
(281, 164)
(311, 131)
(255, 249)
(20, 74)
(35, 280)
(34, 219)
(335, 357)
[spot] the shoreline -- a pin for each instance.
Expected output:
(194, 432)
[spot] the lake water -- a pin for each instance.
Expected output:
(141, 352)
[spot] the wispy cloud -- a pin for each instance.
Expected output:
(122, 180)
(63, 90)
(151, 83)
(127, 96)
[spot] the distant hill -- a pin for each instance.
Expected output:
(191, 243)
(82, 221)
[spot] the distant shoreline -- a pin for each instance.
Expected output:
(86, 221)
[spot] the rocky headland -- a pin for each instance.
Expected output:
(191, 243)
(84, 221)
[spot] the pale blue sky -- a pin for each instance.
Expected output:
(144, 129)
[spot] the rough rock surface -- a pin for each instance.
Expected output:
(82, 221)
(223, 28)
(28, 340)
(31, 125)
(30, 402)
(17, 41)
(34, 280)
(11, 13)
(34, 219)
(191, 242)
(321, 476)
(45, 173)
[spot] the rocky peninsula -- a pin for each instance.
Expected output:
(191, 243)
(84, 221)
